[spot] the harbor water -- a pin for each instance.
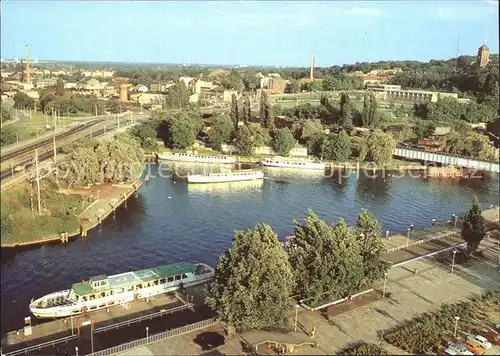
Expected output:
(171, 221)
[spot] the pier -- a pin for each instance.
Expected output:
(78, 329)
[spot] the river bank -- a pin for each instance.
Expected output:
(105, 199)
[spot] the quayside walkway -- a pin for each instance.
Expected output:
(448, 160)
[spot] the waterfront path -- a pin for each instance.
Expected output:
(412, 295)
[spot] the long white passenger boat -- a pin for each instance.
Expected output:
(288, 163)
(105, 291)
(187, 157)
(236, 176)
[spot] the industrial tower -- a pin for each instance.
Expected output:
(28, 75)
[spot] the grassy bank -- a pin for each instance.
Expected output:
(20, 221)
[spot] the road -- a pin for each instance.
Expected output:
(24, 157)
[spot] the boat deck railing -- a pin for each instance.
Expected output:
(38, 347)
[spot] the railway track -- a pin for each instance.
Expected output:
(47, 142)
(48, 148)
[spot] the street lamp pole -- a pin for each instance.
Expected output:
(457, 318)
(76, 350)
(296, 315)
(385, 283)
(453, 260)
(147, 334)
(407, 237)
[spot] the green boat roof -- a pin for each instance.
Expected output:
(133, 278)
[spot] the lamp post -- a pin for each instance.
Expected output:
(71, 316)
(408, 237)
(411, 227)
(296, 314)
(76, 350)
(385, 283)
(147, 334)
(453, 260)
(457, 318)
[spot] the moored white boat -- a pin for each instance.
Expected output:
(236, 176)
(289, 163)
(106, 291)
(187, 157)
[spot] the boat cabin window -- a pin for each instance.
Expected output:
(121, 290)
(155, 283)
(139, 286)
(130, 288)
(170, 279)
(92, 297)
(163, 281)
(178, 277)
(85, 298)
(102, 295)
(184, 276)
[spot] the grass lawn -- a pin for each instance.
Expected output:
(19, 225)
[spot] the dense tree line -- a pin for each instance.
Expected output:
(89, 162)
(255, 278)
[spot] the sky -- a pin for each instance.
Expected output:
(274, 33)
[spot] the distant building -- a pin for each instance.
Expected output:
(483, 56)
(373, 79)
(161, 87)
(395, 93)
(194, 98)
(276, 85)
(187, 81)
(202, 85)
(141, 88)
(227, 96)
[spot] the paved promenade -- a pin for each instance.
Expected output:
(412, 295)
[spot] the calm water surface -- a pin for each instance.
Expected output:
(171, 222)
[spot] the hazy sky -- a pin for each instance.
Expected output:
(247, 32)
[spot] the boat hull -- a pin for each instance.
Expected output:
(77, 308)
(317, 166)
(196, 159)
(224, 179)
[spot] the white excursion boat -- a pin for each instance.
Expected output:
(187, 157)
(106, 291)
(285, 163)
(236, 176)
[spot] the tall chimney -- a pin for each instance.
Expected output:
(311, 75)
(28, 76)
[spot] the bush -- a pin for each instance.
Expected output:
(429, 334)
(363, 349)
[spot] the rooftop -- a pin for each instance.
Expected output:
(130, 278)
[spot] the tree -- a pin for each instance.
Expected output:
(283, 142)
(7, 136)
(260, 135)
(243, 141)
(253, 281)
(263, 106)
(377, 147)
(4, 114)
(310, 128)
(234, 111)
(366, 109)
(247, 113)
(473, 230)
(120, 158)
(23, 101)
(269, 119)
(222, 127)
(338, 147)
(372, 248)
(345, 109)
(145, 134)
(184, 129)
(60, 87)
(424, 128)
(114, 106)
(295, 85)
(373, 110)
(81, 168)
(326, 260)
(45, 98)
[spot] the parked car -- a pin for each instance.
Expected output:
(449, 351)
(493, 337)
(474, 347)
(459, 349)
(481, 340)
